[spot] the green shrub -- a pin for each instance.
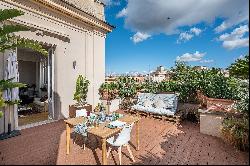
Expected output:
(243, 104)
(240, 68)
(127, 87)
(236, 132)
(150, 87)
(211, 82)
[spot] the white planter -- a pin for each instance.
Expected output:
(114, 104)
(211, 124)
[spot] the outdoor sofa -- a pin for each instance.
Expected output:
(162, 105)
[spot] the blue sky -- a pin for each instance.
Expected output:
(141, 40)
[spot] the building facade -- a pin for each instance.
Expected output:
(74, 32)
(159, 75)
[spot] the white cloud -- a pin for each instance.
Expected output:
(122, 13)
(196, 31)
(189, 57)
(235, 39)
(207, 61)
(168, 16)
(139, 37)
(185, 36)
(234, 20)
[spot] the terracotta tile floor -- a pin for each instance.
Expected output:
(161, 143)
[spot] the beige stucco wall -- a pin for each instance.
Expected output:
(86, 47)
(211, 124)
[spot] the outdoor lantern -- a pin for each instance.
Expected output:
(74, 64)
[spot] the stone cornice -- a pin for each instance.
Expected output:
(84, 17)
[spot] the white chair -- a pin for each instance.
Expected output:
(122, 140)
(81, 112)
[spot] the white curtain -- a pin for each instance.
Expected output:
(11, 71)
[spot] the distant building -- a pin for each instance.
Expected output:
(225, 72)
(159, 75)
(110, 79)
(140, 78)
(200, 68)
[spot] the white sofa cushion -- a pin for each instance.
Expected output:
(164, 104)
(147, 103)
(159, 104)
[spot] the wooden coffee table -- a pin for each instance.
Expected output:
(102, 132)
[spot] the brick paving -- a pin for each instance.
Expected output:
(160, 143)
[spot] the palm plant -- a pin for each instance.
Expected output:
(9, 41)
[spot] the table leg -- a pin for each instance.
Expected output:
(67, 138)
(137, 135)
(104, 152)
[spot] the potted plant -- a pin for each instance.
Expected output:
(81, 91)
(127, 91)
(9, 85)
(108, 92)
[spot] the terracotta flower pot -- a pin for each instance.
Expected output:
(221, 104)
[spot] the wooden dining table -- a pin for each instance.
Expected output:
(102, 132)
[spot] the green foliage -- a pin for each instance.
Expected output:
(212, 83)
(243, 104)
(8, 84)
(6, 14)
(218, 86)
(240, 68)
(150, 87)
(108, 91)
(187, 80)
(9, 41)
(167, 86)
(2, 104)
(8, 29)
(81, 91)
(100, 107)
(1, 114)
(236, 132)
(127, 90)
(127, 87)
(34, 45)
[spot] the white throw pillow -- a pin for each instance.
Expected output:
(159, 104)
(147, 103)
